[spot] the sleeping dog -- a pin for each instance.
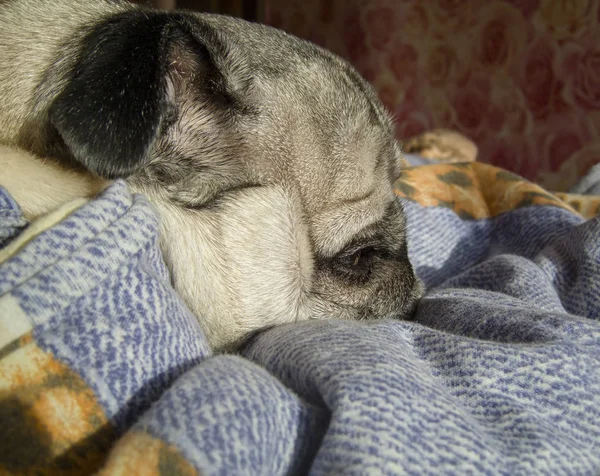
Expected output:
(269, 159)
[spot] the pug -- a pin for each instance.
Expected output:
(269, 160)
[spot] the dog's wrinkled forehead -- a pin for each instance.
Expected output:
(337, 139)
(330, 125)
(317, 109)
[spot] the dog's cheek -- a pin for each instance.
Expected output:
(241, 265)
(269, 251)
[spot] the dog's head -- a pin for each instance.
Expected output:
(270, 160)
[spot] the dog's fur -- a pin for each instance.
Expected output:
(270, 160)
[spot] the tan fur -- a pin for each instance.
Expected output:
(39, 185)
(248, 258)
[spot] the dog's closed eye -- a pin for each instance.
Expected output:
(355, 265)
(360, 259)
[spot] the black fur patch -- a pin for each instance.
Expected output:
(111, 111)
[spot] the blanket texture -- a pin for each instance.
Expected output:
(104, 369)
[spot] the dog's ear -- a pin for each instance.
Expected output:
(110, 113)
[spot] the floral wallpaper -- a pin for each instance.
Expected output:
(519, 77)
